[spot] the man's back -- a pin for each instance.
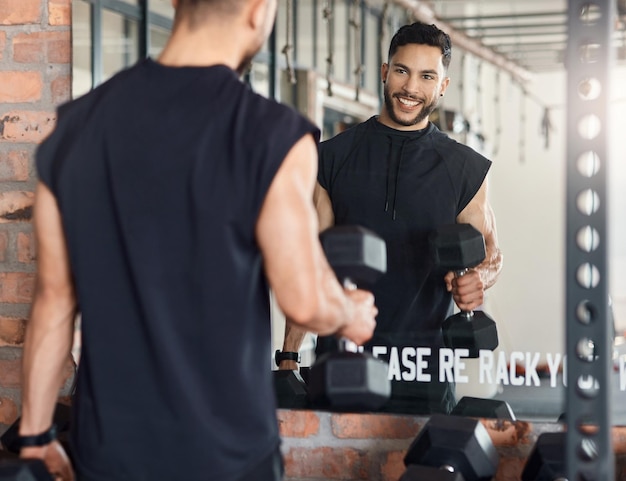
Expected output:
(159, 200)
(160, 195)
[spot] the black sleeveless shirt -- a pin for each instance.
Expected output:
(402, 185)
(160, 174)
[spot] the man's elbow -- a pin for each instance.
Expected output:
(302, 312)
(311, 313)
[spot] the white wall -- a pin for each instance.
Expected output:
(527, 193)
(617, 197)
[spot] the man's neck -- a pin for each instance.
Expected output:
(202, 47)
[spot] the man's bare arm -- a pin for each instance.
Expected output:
(303, 283)
(49, 333)
(468, 291)
(50, 329)
(294, 335)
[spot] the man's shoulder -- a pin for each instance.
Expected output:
(273, 119)
(450, 148)
(86, 102)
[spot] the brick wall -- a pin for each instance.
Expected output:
(323, 446)
(35, 76)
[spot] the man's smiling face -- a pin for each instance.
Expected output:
(414, 82)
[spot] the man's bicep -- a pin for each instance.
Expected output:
(53, 265)
(479, 214)
(287, 226)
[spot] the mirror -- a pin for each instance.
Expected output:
(506, 100)
(509, 104)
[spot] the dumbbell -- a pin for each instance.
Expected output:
(459, 247)
(483, 408)
(346, 380)
(290, 388)
(546, 461)
(451, 449)
(14, 469)
(547, 458)
(61, 419)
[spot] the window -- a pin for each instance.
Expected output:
(110, 35)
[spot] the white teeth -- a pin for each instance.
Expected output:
(408, 103)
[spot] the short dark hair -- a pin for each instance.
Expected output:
(422, 34)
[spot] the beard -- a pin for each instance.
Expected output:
(424, 113)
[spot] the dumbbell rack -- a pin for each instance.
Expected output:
(589, 452)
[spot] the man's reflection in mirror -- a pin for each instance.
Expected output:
(400, 176)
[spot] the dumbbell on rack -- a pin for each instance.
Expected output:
(347, 380)
(458, 248)
(290, 387)
(12, 468)
(483, 408)
(449, 448)
(546, 461)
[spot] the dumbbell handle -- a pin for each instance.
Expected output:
(469, 315)
(346, 345)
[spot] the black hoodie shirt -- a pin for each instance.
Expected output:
(402, 185)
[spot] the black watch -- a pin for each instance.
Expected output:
(38, 439)
(286, 356)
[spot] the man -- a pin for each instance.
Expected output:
(398, 175)
(169, 196)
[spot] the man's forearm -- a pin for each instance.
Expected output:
(490, 268)
(294, 336)
(47, 348)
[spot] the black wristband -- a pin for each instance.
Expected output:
(38, 439)
(286, 356)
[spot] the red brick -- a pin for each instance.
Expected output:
(26, 126)
(507, 433)
(14, 166)
(366, 426)
(619, 440)
(42, 47)
(16, 87)
(393, 466)
(11, 373)
(17, 12)
(59, 12)
(327, 463)
(12, 331)
(8, 411)
(26, 247)
(16, 287)
(59, 47)
(510, 468)
(60, 89)
(4, 244)
(298, 424)
(16, 206)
